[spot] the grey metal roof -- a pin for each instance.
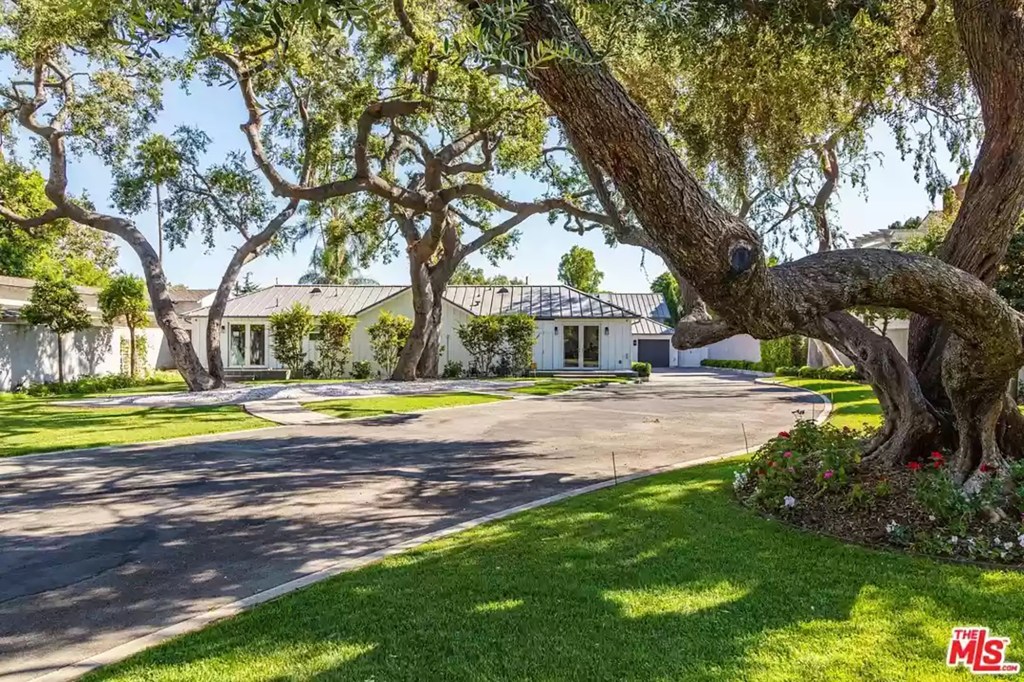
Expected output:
(184, 294)
(348, 300)
(537, 301)
(646, 304)
(647, 326)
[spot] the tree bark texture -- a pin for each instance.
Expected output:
(422, 322)
(993, 38)
(722, 257)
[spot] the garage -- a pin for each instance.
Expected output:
(654, 351)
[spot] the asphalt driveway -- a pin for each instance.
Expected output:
(99, 548)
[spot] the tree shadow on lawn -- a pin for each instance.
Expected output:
(663, 579)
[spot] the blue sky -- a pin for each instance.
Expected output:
(892, 194)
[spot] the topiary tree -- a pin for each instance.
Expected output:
(518, 334)
(56, 305)
(387, 338)
(124, 298)
(482, 338)
(335, 336)
(289, 328)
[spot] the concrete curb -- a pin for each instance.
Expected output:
(120, 652)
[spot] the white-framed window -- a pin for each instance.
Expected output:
(247, 344)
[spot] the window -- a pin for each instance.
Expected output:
(257, 344)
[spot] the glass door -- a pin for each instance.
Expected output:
(571, 346)
(236, 346)
(591, 346)
(257, 344)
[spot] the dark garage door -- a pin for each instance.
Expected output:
(654, 351)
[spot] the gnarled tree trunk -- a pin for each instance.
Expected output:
(422, 322)
(722, 257)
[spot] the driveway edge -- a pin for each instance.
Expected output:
(123, 651)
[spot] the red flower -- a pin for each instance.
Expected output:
(938, 464)
(914, 466)
(984, 468)
(783, 434)
(937, 455)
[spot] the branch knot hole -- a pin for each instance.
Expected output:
(742, 257)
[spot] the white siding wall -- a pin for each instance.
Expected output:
(29, 353)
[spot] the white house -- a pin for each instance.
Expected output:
(652, 335)
(575, 330)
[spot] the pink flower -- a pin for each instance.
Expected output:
(783, 434)
(914, 466)
(787, 454)
(828, 474)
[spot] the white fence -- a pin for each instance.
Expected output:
(29, 353)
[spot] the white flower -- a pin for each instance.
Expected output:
(1007, 546)
(1020, 539)
(789, 501)
(739, 479)
(891, 527)
(931, 517)
(953, 540)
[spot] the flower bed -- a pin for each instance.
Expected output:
(812, 477)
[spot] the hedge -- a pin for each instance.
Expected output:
(833, 373)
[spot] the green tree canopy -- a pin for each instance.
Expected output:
(578, 269)
(56, 305)
(666, 285)
(124, 299)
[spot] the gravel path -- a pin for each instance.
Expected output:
(303, 393)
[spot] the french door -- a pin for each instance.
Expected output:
(581, 346)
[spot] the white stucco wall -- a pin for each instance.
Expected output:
(739, 347)
(29, 353)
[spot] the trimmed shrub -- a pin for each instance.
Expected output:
(642, 369)
(361, 369)
(288, 330)
(785, 351)
(734, 364)
(100, 384)
(788, 371)
(452, 369)
(482, 338)
(335, 337)
(518, 334)
(388, 336)
(809, 372)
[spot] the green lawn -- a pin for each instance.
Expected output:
(552, 386)
(350, 408)
(33, 425)
(854, 405)
(662, 579)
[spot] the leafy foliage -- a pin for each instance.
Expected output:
(247, 286)
(387, 338)
(481, 336)
(784, 351)
(578, 269)
(56, 305)
(124, 298)
(334, 345)
(289, 329)
(518, 335)
(666, 285)
(361, 369)
(642, 369)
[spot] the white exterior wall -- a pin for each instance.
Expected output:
(615, 351)
(29, 353)
(739, 347)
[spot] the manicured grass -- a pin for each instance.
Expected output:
(662, 579)
(396, 404)
(552, 386)
(34, 425)
(854, 405)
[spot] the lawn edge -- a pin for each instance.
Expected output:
(123, 651)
